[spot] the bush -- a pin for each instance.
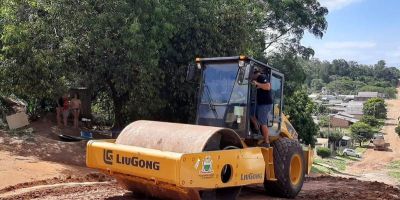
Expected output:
(397, 129)
(323, 152)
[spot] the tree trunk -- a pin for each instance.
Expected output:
(118, 101)
(118, 116)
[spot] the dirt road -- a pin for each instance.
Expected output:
(105, 188)
(373, 165)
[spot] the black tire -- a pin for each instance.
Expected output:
(345, 154)
(284, 151)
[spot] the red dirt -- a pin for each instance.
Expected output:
(325, 187)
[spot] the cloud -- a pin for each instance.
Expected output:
(337, 4)
(350, 45)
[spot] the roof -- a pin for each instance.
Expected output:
(367, 94)
(335, 101)
(346, 137)
(346, 117)
(337, 108)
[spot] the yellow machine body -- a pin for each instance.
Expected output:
(191, 170)
(180, 175)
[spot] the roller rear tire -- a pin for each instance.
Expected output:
(289, 168)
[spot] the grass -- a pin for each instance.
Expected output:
(333, 165)
(394, 169)
(361, 149)
(317, 169)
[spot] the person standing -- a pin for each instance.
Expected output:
(59, 109)
(65, 109)
(264, 103)
(76, 109)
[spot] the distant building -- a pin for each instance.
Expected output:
(364, 96)
(345, 142)
(355, 108)
(342, 120)
(322, 142)
(346, 98)
(327, 97)
(336, 109)
(335, 102)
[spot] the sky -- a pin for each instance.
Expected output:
(364, 31)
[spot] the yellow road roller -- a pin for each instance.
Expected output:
(221, 152)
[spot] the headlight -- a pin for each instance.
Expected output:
(241, 63)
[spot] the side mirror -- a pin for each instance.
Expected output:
(191, 72)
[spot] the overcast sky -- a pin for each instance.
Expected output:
(360, 30)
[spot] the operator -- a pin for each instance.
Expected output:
(264, 104)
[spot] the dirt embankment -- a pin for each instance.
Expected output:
(39, 155)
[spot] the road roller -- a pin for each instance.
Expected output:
(217, 155)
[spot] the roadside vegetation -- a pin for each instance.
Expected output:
(394, 170)
(332, 165)
(348, 77)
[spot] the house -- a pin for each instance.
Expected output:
(346, 98)
(364, 96)
(342, 120)
(345, 142)
(355, 108)
(322, 142)
(335, 102)
(326, 98)
(337, 109)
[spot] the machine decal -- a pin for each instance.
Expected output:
(251, 176)
(207, 168)
(196, 166)
(108, 156)
(138, 162)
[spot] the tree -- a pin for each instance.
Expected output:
(299, 108)
(361, 132)
(288, 20)
(334, 137)
(317, 84)
(375, 107)
(324, 121)
(135, 52)
(372, 121)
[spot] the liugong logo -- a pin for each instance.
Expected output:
(108, 156)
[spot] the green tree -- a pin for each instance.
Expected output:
(372, 121)
(299, 108)
(324, 121)
(361, 132)
(334, 137)
(375, 107)
(317, 84)
(135, 52)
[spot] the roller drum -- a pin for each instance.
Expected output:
(180, 138)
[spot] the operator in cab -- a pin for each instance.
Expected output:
(264, 104)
